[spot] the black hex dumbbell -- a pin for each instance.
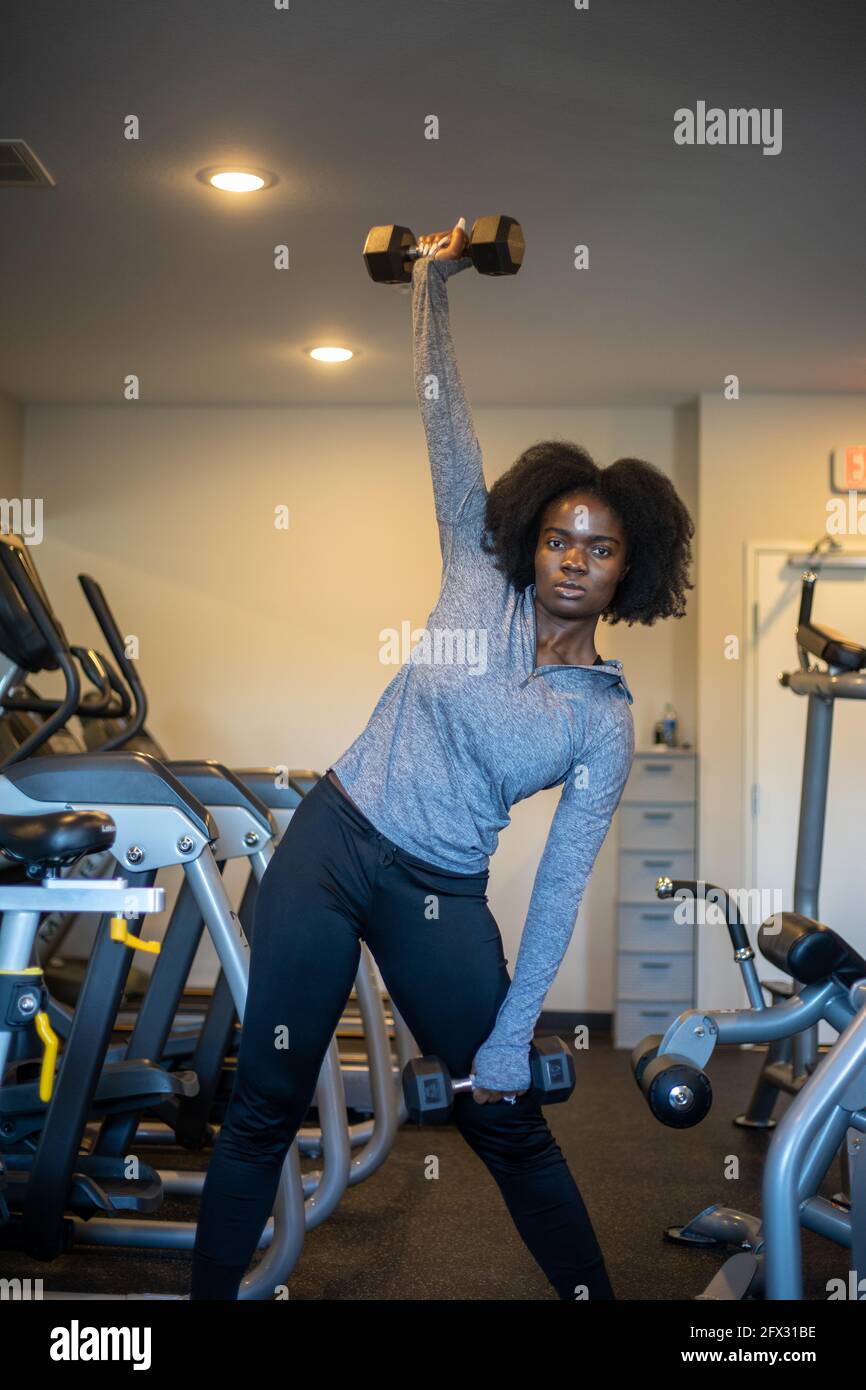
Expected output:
(429, 1089)
(496, 247)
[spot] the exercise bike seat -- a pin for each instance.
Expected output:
(831, 646)
(808, 951)
(55, 839)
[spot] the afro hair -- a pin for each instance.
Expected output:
(657, 524)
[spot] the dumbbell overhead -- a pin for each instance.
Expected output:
(429, 1089)
(496, 247)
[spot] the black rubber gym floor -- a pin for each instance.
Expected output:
(400, 1235)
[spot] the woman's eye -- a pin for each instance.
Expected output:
(603, 550)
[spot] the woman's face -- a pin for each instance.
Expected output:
(580, 557)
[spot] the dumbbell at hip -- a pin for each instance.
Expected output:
(429, 1089)
(496, 247)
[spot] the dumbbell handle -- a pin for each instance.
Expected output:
(414, 253)
(470, 1084)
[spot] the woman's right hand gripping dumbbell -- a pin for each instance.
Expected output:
(445, 246)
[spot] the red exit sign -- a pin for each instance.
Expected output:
(848, 468)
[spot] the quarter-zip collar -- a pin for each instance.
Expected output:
(610, 667)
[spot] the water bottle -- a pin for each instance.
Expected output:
(669, 725)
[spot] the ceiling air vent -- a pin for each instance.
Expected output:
(21, 168)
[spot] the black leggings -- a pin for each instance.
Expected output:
(334, 880)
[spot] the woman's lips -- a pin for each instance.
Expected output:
(570, 590)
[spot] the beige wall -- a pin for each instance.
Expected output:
(11, 445)
(764, 476)
(262, 646)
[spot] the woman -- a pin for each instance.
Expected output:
(392, 845)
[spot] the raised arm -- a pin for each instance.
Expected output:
(459, 489)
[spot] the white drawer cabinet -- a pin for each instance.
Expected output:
(666, 777)
(655, 964)
(644, 927)
(639, 869)
(634, 1021)
(657, 827)
(654, 975)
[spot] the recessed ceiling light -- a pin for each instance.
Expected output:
(236, 180)
(331, 354)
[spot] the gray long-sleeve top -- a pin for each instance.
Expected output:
(453, 743)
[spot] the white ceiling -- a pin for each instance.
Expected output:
(704, 261)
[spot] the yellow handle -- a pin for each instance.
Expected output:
(120, 932)
(51, 1043)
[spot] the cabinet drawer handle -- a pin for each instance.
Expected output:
(657, 863)
(658, 815)
(656, 965)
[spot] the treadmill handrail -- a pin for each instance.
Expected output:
(113, 636)
(16, 565)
